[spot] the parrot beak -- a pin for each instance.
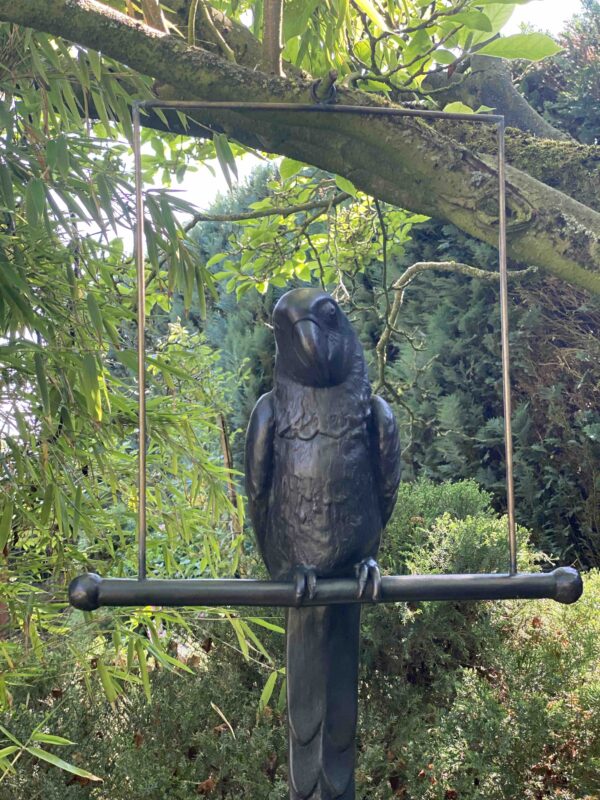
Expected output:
(311, 349)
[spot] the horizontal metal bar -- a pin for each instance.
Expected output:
(90, 591)
(223, 105)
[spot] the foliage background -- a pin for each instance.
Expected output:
(495, 700)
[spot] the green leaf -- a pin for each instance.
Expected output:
(10, 736)
(475, 20)
(290, 167)
(91, 386)
(8, 751)
(40, 374)
(442, 56)
(44, 755)
(345, 185)
(35, 201)
(49, 738)
(528, 46)
(129, 359)
(371, 11)
(458, 108)
(95, 315)
(296, 17)
(265, 624)
(110, 689)
(141, 657)
(225, 157)
(6, 524)
(62, 156)
(267, 691)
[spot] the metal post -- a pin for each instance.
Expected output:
(141, 328)
(508, 442)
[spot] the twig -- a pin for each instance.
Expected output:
(399, 287)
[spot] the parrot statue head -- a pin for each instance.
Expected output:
(316, 345)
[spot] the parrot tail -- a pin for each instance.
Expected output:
(322, 644)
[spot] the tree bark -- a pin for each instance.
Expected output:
(489, 83)
(402, 161)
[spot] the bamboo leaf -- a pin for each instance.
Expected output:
(95, 314)
(6, 523)
(216, 708)
(44, 755)
(141, 657)
(110, 689)
(42, 382)
(49, 738)
(267, 691)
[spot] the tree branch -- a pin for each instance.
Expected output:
(401, 161)
(274, 211)
(272, 37)
(399, 287)
(490, 84)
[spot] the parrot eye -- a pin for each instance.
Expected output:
(329, 312)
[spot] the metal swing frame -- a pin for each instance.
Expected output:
(89, 591)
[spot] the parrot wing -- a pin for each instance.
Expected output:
(259, 464)
(386, 455)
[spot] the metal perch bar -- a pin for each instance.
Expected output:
(89, 592)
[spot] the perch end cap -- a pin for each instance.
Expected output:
(84, 592)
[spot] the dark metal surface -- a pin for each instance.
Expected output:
(322, 474)
(141, 344)
(89, 592)
(374, 111)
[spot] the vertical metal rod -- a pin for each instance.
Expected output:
(508, 442)
(141, 328)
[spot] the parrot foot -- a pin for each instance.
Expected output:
(369, 568)
(305, 582)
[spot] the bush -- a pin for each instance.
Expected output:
(457, 700)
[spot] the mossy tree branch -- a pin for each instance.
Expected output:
(401, 161)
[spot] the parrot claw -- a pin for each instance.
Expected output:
(305, 582)
(369, 568)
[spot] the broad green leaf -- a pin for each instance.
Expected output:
(458, 108)
(476, 20)
(296, 17)
(528, 46)
(289, 167)
(44, 755)
(8, 751)
(442, 56)
(345, 185)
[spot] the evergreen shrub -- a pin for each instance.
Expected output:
(457, 700)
